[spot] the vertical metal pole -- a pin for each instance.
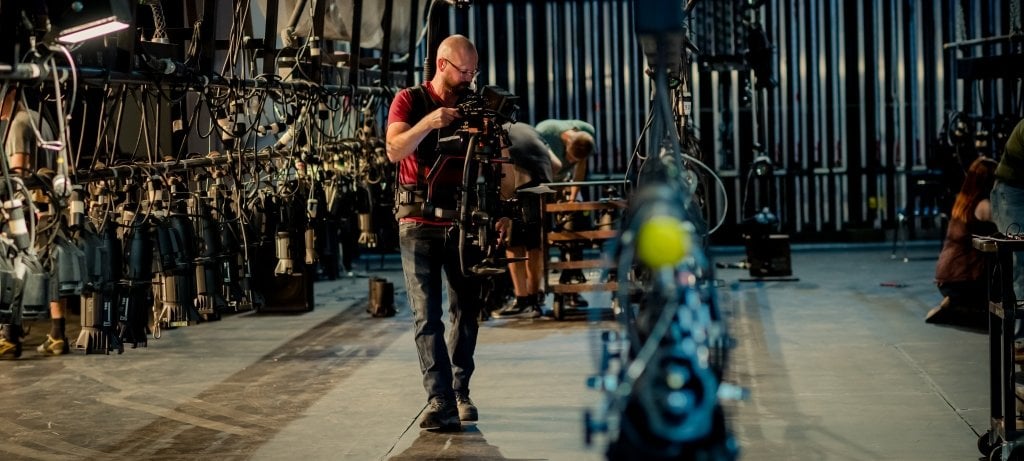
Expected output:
(317, 34)
(354, 43)
(1007, 384)
(385, 52)
(209, 34)
(992, 260)
(270, 37)
(410, 76)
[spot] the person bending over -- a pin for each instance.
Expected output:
(531, 166)
(572, 142)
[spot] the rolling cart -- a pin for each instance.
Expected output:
(580, 238)
(1004, 440)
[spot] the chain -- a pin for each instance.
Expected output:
(961, 22)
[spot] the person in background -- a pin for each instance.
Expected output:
(960, 270)
(572, 142)
(531, 166)
(418, 118)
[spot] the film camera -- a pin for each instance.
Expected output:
(483, 114)
(490, 103)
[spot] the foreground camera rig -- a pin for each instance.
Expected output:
(482, 136)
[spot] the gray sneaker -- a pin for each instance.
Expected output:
(517, 311)
(467, 410)
(441, 414)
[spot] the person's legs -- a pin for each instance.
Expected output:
(571, 276)
(464, 307)
(422, 254)
(535, 271)
(518, 270)
(525, 305)
(965, 295)
(565, 222)
(570, 253)
(56, 341)
(963, 303)
(464, 310)
(422, 249)
(533, 241)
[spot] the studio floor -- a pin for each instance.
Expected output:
(840, 366)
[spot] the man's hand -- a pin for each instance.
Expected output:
(504, 228)
(572, 193)
(442, 117)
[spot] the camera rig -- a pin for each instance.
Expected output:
(482, 137)
(490, 104)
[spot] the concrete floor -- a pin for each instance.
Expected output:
(839, 367)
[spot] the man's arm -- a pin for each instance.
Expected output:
(403, 138)
(579, 173)
(983, 211)
(556, 164)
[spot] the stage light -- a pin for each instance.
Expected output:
(762, 166)
(84, 20)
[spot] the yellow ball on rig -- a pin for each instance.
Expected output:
(662, 241)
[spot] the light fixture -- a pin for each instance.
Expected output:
(83, 20)
(762, 166)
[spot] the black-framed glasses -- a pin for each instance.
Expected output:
(467, 73)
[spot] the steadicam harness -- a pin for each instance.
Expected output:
(439, 160)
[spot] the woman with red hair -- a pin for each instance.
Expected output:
(960, 270)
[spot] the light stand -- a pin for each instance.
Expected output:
(767, 249)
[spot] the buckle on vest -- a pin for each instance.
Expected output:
(408, 197)
(441, 213)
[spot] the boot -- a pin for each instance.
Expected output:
(441, 414)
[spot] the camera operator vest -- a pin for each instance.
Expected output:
(439, 162)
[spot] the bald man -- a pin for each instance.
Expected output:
(420, 116)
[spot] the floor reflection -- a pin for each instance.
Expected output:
(468, 445)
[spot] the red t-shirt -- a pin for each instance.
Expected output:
(408, 167)
(399, 112)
